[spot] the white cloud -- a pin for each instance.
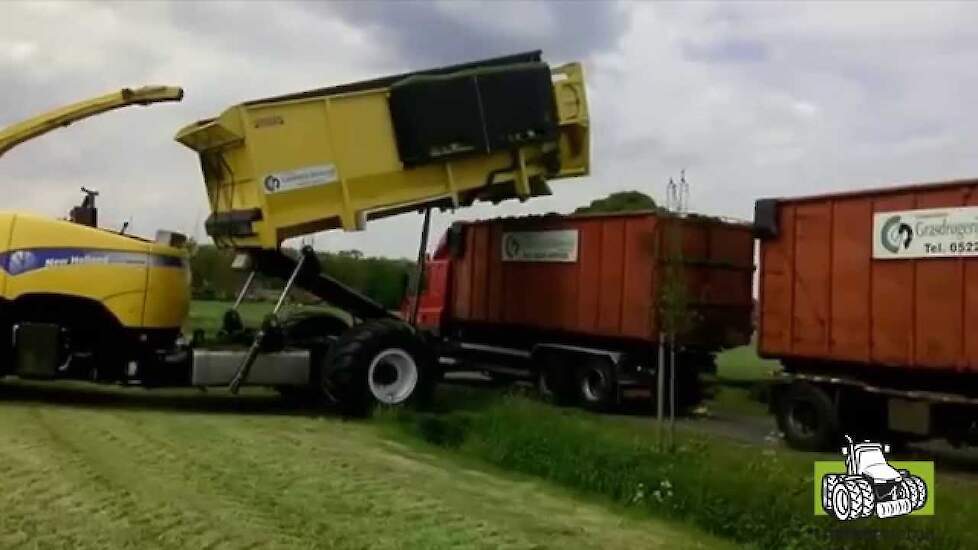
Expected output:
(754, 99)
(18, 52)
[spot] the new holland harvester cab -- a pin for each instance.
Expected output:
(79, 301)
(334, 158)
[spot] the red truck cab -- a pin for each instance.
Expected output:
(434, 290)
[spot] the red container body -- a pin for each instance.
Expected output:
(824, 297)
(611, 289)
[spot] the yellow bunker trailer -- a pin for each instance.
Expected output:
(77, 301)
(337, 157)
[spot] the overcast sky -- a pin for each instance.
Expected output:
(752, 100)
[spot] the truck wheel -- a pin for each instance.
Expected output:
(378, 362)
(829, 481)
(807, 417)
(555, 382)
(597, 384)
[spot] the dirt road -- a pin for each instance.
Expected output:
(84, 467)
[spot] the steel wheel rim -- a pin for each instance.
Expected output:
(392, 376)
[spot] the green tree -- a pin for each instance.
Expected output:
(212, 276)
(620, 201)
(380, 279)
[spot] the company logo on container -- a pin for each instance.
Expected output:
(896, 235)
(512, 246)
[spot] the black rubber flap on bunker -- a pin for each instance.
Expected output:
(474, 111)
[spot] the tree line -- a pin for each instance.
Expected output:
(381, 279)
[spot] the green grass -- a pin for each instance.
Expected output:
(743, 365)
(737, 400)
(96, 467)
(757, 496)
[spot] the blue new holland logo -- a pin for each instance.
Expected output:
(16, 262)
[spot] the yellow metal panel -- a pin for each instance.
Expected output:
(6, 223)
(121, 286)
(95, 282)
(167, 297)
(363, 153)
(31, 128)
(298, 140)
(572, 111)
(30, 231)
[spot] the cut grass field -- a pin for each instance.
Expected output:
(83, 466)
(99, 467)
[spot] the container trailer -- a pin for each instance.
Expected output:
(870, 300)
(574, 302)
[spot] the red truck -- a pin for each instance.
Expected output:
(573, 302)
(870, 301)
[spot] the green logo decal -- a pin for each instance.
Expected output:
(894, 235)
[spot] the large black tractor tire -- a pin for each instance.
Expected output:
(807, 417)
(379, 362)
(555, 380)
(311, 328)
(597, 384)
